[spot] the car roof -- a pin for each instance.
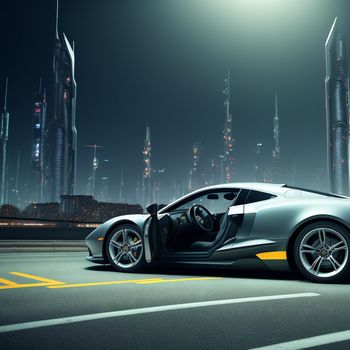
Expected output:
(276, 189)
(258, 186)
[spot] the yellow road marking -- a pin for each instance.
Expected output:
(281, 255)
(52, 284)
(26, 285)
(7, 282)
(91, 284)
(43, 282)
(180, 280)
(37, 278)
(140, 281)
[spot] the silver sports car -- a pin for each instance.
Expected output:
(278, 226)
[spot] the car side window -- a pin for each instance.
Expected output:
(215, 202)
(257, 196)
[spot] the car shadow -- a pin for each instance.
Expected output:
(211, 272)
(228, 273)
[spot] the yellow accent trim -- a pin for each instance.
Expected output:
(100, 238)
(281, 255)
(37, 278)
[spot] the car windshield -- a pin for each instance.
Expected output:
(214, 201)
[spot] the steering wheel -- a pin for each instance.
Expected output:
(201, 217)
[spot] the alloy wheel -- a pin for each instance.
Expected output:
(126, 248)
(323, 252)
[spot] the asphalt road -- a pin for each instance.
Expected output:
(83, 306)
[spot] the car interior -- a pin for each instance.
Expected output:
(199, 223)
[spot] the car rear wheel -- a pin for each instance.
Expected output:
(125, 249)
(321, 252)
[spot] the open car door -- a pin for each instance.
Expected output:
(150, 234)
(229, 224)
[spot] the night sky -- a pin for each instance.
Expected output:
(163, 63)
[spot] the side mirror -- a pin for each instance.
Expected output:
(161, 206)
(152, 209)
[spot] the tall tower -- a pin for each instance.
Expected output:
(95, 164)
(147, 170)
(4, 133)
(276, 153)
(104, 190)
(17, 194)
(213, 171)
(227, 132)
(158, 193)
(195, 171)
(259, 167)
(121, 188)
(38, 127)
(62, 134)
(190, 181)
(337, 112)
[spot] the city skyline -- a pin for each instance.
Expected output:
(179, 118)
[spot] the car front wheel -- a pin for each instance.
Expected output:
(125, 249)
(321, 252)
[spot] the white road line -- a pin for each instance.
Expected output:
(145, 310)
(311, 342)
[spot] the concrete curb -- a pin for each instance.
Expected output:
(12, 246)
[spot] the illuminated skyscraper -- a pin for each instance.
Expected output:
(228, 138)
(138, 192)
(190, 185)
(95, 164)
(62, 134)
(177, 190)
(213, 172)
(195, 176)
(104, 190)
(38, 126)
(121, 188)
(337, 112)
(14, 194)
(276, 153)
(221, 166)
(4, 133)
(157, 181)
(147, 170)
(259, 166)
